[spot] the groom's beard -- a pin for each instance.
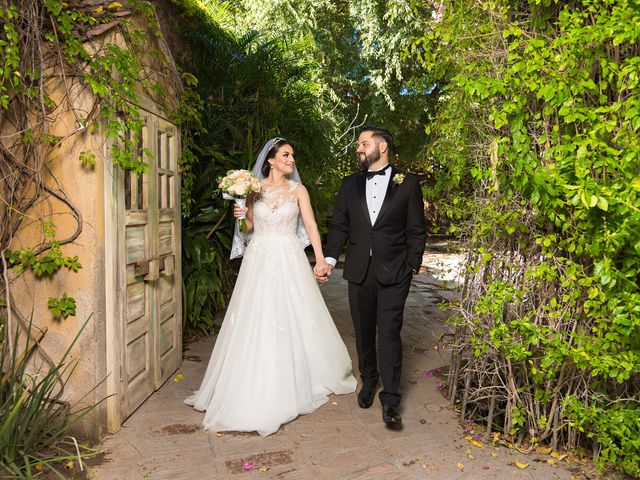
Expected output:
(365, 161)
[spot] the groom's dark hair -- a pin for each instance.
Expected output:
(381, 133)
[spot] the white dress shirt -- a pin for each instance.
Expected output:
(375, 192)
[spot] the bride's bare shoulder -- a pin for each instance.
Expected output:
(300, 190)
(295, 186)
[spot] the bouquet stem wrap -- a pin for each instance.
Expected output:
(236, 186)
(242, 203)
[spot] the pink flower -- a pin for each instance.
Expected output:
(429, 373)
(248, 466)
(438, 12)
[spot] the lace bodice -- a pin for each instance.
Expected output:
(276, 211)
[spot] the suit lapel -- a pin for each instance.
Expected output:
(362, 195)
(392, 187)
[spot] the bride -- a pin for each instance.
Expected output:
(278, 353)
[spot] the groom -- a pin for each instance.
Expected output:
(379, 214)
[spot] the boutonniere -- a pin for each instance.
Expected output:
(398, 178)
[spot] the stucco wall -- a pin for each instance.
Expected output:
(84, 189)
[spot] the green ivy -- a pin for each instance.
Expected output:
(118, 99)
(43, 265)
(62, 307)
(10, 54)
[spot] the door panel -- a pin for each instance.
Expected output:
(151, 329)
(165, 236)
(169, 347)
(137, 354)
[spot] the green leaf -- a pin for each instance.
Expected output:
(603, 204)
(87, 158)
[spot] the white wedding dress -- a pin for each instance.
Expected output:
(278, 353)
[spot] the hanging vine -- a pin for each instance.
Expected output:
(46, 45)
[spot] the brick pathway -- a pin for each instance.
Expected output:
(164, 440)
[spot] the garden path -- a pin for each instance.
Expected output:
(164, 439)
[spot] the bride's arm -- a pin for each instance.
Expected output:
(306, 212)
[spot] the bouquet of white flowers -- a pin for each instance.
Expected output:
(237, 185)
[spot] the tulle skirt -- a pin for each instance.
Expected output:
(278, 354)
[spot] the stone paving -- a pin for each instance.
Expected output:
(163, 439)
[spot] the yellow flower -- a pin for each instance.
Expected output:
(398, 178)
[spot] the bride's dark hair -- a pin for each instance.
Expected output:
(266, 166)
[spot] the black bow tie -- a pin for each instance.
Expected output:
(370, 174)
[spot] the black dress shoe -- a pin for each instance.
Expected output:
(365, 397)
(391, 417)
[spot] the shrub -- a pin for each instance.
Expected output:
(35, 423)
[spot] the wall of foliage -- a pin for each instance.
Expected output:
(536, 144)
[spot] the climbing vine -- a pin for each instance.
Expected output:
(44, 45)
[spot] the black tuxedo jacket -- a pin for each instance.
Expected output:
(396, 240)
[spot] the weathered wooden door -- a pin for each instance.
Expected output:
(149, 338)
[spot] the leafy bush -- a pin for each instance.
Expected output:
(537, 143)
(205, 280)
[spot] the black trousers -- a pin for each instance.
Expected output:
(377, 310)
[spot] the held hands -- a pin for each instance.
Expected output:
(322, 271)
